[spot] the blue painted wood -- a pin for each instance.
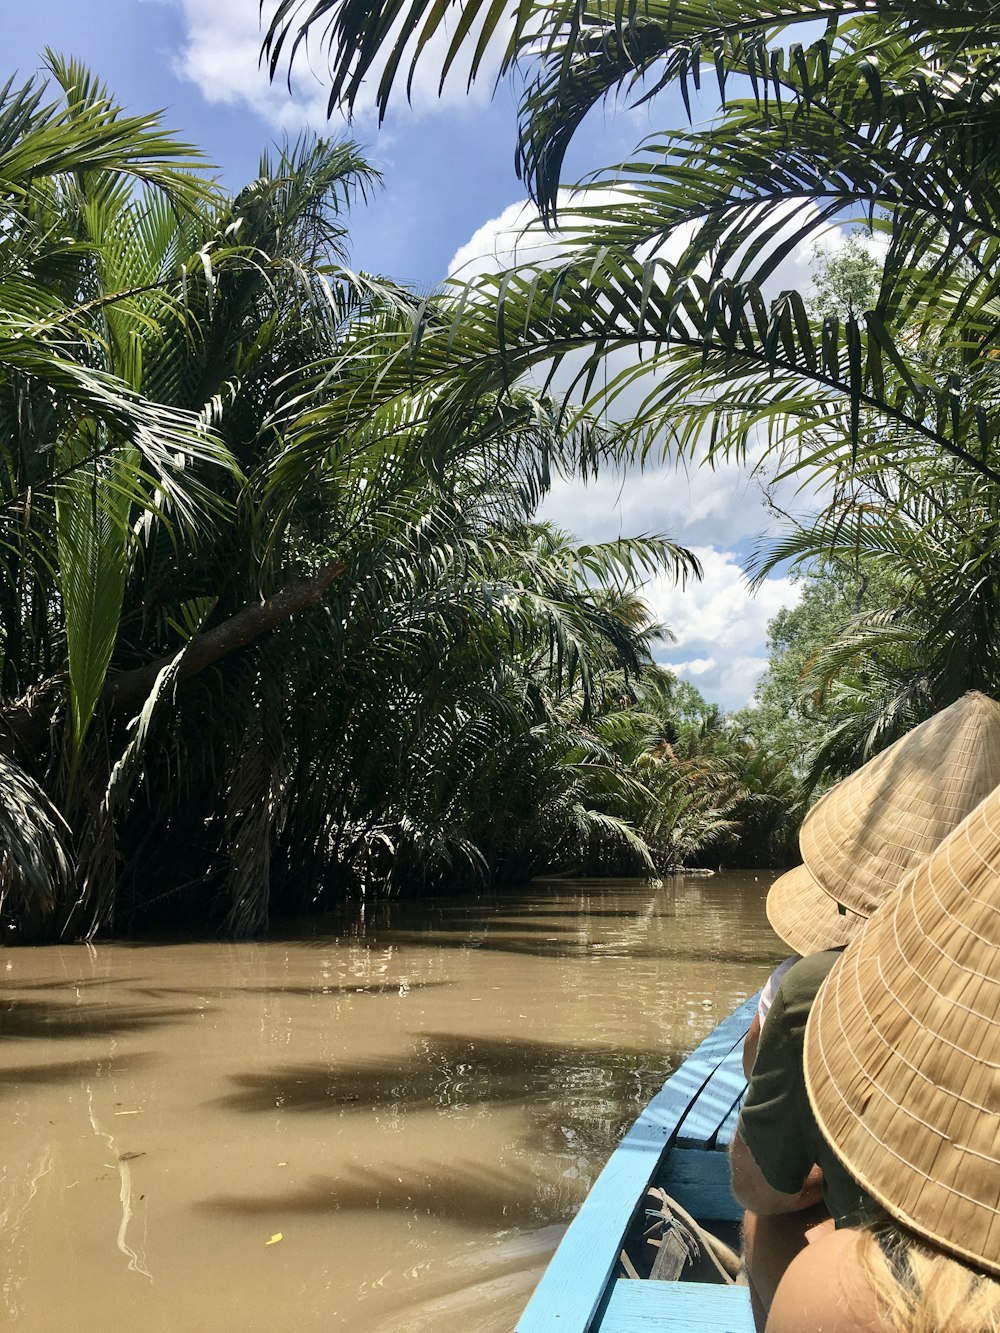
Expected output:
(714, 1104)
(573, 1285)
(728, 1127)
(645, 1307)
(691, 1079)
(698, 1178)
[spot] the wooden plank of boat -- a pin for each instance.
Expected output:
(679, 1140)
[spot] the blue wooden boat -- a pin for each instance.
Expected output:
(679, 1143)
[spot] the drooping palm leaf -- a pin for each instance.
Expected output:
(92, 511)
(35, 867)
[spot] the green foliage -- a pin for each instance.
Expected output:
(277, 623)
(847, 279)
(270, 639)
(928, 628)
(792, 713)
(91, 526)
(883, 115)
(879, 393)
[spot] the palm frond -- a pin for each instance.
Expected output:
(35, 865)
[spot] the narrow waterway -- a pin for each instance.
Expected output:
(377, 1125)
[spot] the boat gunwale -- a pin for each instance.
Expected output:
(576, 1287)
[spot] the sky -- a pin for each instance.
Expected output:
(450, 201)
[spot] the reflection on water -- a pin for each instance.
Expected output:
(381, 1123)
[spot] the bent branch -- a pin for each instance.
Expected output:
(24, 723)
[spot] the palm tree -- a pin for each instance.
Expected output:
(889, 115)
(264, 638)
(928, 543)
(87, 457)
(142, 326)
(883, 114)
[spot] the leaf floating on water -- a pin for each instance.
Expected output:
(274, 1239)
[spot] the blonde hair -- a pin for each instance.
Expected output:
(923, 1290)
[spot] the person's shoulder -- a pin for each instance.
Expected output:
(824, 1291)
(804, 978)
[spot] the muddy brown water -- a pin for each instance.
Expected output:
(374, 1126)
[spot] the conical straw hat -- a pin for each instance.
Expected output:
(902, 1048)
(805, 917)
(863, 837)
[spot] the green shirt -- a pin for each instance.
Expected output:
(777, 1123)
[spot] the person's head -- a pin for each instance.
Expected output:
(923, 1290)
(867, 833)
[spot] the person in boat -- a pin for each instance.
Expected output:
(883, 1278)
(809, 922)
(902, 1071)
(764, 1002)
(858, 843)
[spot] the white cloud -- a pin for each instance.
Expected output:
(698, 666)
(694, 505)
(501, 242)
(729, 683)
(718, 610)
(517, 236)
(221, 56)
(720, 629)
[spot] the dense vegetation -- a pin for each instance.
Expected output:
(881, 396)
(255, 659)
(278, 624)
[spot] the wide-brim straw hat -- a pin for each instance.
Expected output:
(806, 918)
(875, 826)
(902, 1047)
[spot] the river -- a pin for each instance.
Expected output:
(378, 1125)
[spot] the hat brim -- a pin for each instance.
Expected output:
(806, 918)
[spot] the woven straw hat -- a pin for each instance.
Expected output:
(902, 1048)
(863, 837)
(805, 917)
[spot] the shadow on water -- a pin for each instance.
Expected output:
(575, 911)
(570, 923)
(577, 1102)
(398, 988)
(472, 1194)
(66, 1071)
(416, 917)
(402, 987)
(516, 940)
(448, 1072)
(69, 983)
(31, 1019)
(606, 1088)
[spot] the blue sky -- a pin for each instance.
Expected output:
(450, 193)
(448, 165)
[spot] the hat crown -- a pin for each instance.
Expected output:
(871, 829)
(902, 1051)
